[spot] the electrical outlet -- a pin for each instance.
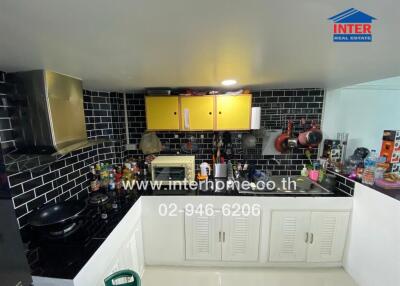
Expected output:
(176, 136)
(130, 147)
(202, 136)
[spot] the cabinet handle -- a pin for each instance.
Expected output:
(175, 113)
(210, 113)
(306, 240)
(220, 112)
(219, 234)
(223, 235)
(312, 238)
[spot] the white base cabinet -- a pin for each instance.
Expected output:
(289, 231)
(288, 236)
(241, 238)
(218, 237)
(123, 249)
(308, 236)
(203, 237)
(177, 239)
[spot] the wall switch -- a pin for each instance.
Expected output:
(130, 147)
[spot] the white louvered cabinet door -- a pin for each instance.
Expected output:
(241, 238)
(202, 236)
(289, 236)
(328, 234)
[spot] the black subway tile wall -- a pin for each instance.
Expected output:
(344, 184)
(67, 177)
(277, 107)
(105, 118)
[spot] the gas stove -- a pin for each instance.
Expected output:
(63, 255)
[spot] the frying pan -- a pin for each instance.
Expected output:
(282, 143)
(50, 215)
(312, 137)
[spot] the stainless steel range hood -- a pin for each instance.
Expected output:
(51, 116)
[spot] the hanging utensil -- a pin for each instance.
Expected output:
(312, 137)
(282, 141)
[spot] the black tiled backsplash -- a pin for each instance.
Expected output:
(66, 178)
(104, 115)
(277, 106)
(344, 184)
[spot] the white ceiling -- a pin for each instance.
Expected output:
(128, 44)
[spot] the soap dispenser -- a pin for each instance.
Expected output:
(304, 171)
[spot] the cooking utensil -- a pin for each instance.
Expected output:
(311, 137)
(282, 141)
(98, 199)
(292, 142)
(220, 170)
(58, 213)
(249, 141)
(150, 143)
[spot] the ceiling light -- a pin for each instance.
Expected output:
(229, 82)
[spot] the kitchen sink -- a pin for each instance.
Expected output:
(298, 186)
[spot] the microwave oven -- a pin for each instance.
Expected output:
(166, 170)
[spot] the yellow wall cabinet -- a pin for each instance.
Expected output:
(162, 112)
(233, 112)
(196, 113)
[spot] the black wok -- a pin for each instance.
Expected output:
(59, 213)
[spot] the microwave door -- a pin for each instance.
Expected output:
(169, 173)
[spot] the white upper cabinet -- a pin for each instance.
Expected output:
(241, 238)
(308, 236)
(328, 236)
(288, 236)
(203, 236)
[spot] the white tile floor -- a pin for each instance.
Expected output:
(178, 276)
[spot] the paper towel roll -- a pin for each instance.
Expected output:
(255, 117)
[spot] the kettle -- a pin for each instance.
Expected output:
(205, 169)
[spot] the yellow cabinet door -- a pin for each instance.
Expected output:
(233, 112)
(162, 112)
(197, 113)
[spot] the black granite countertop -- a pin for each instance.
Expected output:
(234, 192)
(388, 192)
(63, 257)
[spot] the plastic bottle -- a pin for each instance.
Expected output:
(93, 179)
(230, 170)
(368, 177)
(111, 182)
(304, 171)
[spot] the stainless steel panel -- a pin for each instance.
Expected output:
(65, 106)
(32, 122)
(50, 113)
(220, 170)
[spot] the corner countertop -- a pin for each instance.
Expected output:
(166, 191)
(44, 256)
(394, 193)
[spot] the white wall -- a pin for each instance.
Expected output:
(373, 253)
(363, 111)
